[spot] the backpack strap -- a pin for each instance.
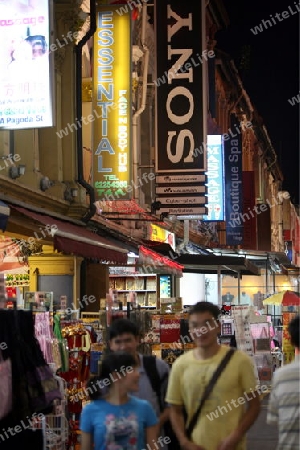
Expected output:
(149, 363)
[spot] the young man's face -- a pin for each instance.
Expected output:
(131, 380)
(204, 329)
(125, 342)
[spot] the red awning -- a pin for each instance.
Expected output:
(75, 239)
(158, 263)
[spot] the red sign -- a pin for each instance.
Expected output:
(249, 240)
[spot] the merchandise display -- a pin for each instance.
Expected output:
(72, 345)
(142, 284)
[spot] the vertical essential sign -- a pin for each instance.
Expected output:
(215, 179)
(112, 104)
(25, 82)
(179, 101)
(233, 186)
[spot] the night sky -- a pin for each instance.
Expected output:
(268, 64)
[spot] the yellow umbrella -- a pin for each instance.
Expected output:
(284, 298)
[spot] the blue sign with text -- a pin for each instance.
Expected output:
(233, 187)
(215, 179)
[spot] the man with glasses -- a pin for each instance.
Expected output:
(233, 405)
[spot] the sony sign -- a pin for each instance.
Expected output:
(180, 61)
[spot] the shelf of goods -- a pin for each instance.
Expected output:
(145, 287)
(166, 335)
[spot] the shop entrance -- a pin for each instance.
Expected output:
(59, 285)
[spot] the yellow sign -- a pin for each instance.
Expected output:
(112, 104)
(159, 234)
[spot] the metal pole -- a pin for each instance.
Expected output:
(219, 287)
(239, 288)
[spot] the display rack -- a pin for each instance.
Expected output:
(144, 285)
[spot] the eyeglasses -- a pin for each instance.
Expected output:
(209, 325)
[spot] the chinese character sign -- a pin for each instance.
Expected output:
(25, 93)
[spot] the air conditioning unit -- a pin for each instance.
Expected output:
(259, 200)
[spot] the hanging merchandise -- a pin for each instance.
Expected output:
(5, 386)
(43, 333)
(41, 386)
(62, 344)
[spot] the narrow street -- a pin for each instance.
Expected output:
(262, 436)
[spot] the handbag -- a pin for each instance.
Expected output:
(208, 391)
(5, 386)
(39, 387)
(43, 389)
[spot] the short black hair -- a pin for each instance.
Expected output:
(122, 326)
(202, 307)
(110, 364)
(293, 329)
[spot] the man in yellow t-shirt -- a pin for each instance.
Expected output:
(234, 403)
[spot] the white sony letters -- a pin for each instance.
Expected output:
(185, 54)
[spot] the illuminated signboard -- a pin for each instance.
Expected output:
(159, 234)
(112, 104)
(215, 179)
(233, 162)
(25, 82)
(179, 83)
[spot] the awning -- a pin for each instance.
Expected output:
(152, 262)
(74, 239)
(209, 264)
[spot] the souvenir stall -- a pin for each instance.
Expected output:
(289, 302)
(252, 334)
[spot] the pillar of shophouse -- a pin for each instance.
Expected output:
(58, 150)
(25, 148)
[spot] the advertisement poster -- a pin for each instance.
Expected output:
(25, 93)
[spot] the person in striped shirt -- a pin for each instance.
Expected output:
(284, 402)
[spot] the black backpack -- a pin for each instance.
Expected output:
(149, 362)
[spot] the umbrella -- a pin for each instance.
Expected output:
(284, 298)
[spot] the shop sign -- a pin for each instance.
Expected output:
(180, 151)
(181, 190)
(159, 234)
(183, 210)
(233, 188)
(25, 65)
(254, 224)
(112, 104)
(173, 179)
(215, 179)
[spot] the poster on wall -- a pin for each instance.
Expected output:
(112, 104)
(25, 81)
